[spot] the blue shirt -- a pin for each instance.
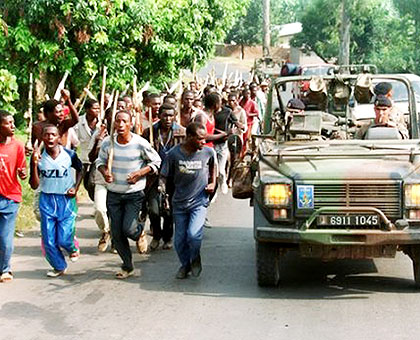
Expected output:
(55, 174)
(190, 175)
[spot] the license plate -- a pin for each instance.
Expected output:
(350, 220)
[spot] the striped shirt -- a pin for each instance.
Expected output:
(128, 158)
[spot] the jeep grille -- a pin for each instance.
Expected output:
(384, 196)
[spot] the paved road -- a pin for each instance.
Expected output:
(339, 300)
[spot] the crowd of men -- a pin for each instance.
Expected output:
(163, 160)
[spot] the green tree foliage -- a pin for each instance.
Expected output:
(248, 28)
(378, 34)
(8, 90)
(152, 39)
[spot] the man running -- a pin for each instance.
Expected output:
(166, 134)
(133, 159)
(12, 166)
(51, 171)
(191, 168)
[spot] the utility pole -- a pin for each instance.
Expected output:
(266, 28)
(344, 56)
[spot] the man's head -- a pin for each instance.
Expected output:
(382, 107)
(92, 108)
(209, 89)
(107, 98)
(295, 106)
(169, 99)
(246, 93)
(233, 100)
(53, 111)
(198, 103)
(128, 102)
(7, 124)
(166, 115)
(123, 123)
(196, 136)
(187, 99)
(193, 86)
(154, 102)
(50, 136)
(254, 89)
(264, 86)
(121, 104)
(383, 89)
(213, 102)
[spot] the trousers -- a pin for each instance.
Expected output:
(123, 210)
(58, 225)
(189, 224)
(101, 217)
(8, 212)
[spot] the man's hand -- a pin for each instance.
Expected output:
(22, 173)
(36, 156)
(134, 177)
(102, 132)
(210, 188)
(65, 94)
(109, 178)
(71, 192)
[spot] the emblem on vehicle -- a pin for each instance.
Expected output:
(305, 196)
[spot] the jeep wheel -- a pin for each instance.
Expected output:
(415, 257)
(268, 273)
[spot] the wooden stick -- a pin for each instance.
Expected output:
(111, 135)
(82, 97)
(103, 95)
(138, 128)
(224, 77)
(111, 99)
(60, 86)
(151, 126)
(28, 114)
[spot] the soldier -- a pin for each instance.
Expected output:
(382, 107)
(396, 115)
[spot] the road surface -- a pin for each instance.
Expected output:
(315, 300)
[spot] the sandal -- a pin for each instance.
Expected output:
(6, 277)
(123, 274)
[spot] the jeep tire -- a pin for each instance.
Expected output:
(268, 271)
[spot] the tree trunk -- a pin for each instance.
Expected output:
(266, 28)
(344, 56)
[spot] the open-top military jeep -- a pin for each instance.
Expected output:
(322, 192)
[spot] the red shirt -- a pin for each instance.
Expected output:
(250, 108)
(12, 157)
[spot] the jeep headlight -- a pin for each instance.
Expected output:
(277, 195)
(412, 195)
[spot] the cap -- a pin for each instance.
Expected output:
(295, 104)
(382, 101)
(382, 88)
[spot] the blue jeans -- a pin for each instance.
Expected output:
(189, 233)
(8, 212)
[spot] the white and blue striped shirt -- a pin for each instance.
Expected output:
(130, 157)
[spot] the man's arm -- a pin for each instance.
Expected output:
(212, 174)
(102, 161)
(74, 115)
(153, 162)
(34, 173)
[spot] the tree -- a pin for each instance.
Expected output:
(150, 39)
(378, 34)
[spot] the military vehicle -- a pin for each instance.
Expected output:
(321, 192)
